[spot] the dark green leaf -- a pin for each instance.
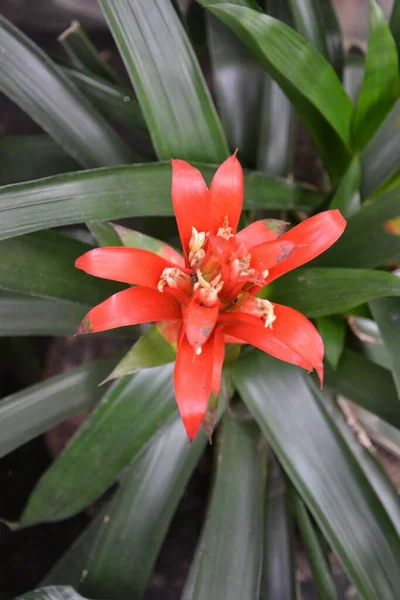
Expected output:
(42, 264)
(104, 233)
(317, 22)
(347, 195)
(52, 592)
(322, 576)
(380, 87)
(151, 350)
(278, 577)
(380, 159)
(109, 194)
(31, 79)
(83, 53)
(26, 157)
(318, 291)
(294, 64)
(324, 471)
(395, 24)
(169, 85)
(129, 415)
(139, 515)
(23, 315)
(366, 384)
(366, 241)
(386, 311)
(36, 409)
(333, 332)
(222, 567)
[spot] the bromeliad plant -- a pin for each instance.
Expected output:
(227, 288)
(209, 296)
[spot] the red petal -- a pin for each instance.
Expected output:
(130, 307)
(191, 200)
(229, 339)
(270, 254)
(293, 337)
(226, 194)
(219, 355)
(259, 232)
(192, 382)
(312, 237)
(199, 323)
(129, 265)
(172, 255)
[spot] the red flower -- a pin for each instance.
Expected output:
(211, 292)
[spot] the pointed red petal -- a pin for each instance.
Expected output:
(312, 237)
(293, 337)
(226, 194)
(129, 265)
(191, 200)
(219, 355)
(171, 255)
(199, 323)
(270, 254)
(192, 383)
(130, 307)
(259, 232)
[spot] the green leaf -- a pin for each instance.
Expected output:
(367, 331)
(278, 576)
(395, 24)
(386, 311)
(333, 333)
(136, 239)
(222, 567)
(365, 383)
(382, 433)
(321, 572)
(324, 472)
(83, 52)
(129, 415)
(319, 291)
(34, 82)
(38, 408)
(347, 195)
(26, 157)
(52, 592)
(237, 78)
(120, 192)
(139, 516)
(294, 64)
(317, 22)
(104, 233)
(42, 264)
(366, 241)
(151, 350)
(23, 315)
(167, 78)
(380, 159)
(113, 101)
(380, 87)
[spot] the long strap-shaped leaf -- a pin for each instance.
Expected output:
(52, 592)
(318, 291)
(386, 311)
(169, 85)
(308, 80)
(380, 87)
(138, 517)
(223, 567)
(130, 414)
(119, 192)
(37, 408)
(34, 82)
(324, 471)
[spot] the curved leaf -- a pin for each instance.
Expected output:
(31, 79)
(380, 87)
(129, 415)
(139, 515)
(169, 85)
(395, 23)
(38, 408)
(347, 195)
(365, 383)
(324, 471)
(294, 63)
(120, 192)
(223, 568)
(333, 333)
(386, 311)
(318, 291)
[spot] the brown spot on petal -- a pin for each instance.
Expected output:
(85, 326)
